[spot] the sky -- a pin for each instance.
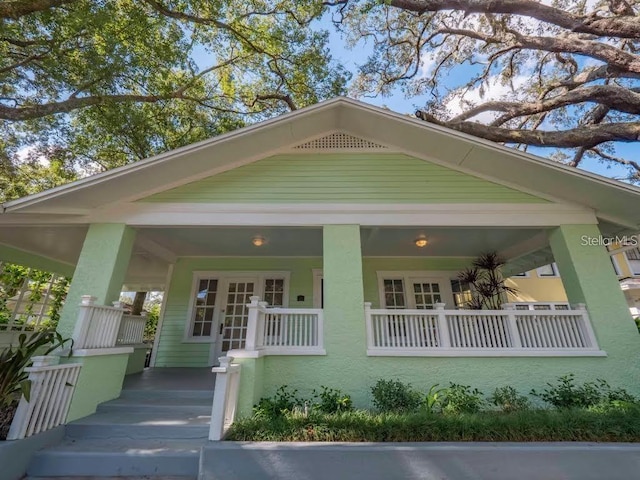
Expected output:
(397, 102)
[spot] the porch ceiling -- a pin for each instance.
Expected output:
(388, 241)
(156, 248)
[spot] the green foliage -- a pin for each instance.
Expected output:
(95, 85)
(283, 402)
(153, 314)
(13, 360)
(523, 426)
(395, 396)
(509, 400)
(287, 402)
(12, 278)
(331, 400)
(433, 400)
(614, 417)
(488, 284)
(565, 393)
(461, 399)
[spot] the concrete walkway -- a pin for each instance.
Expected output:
(420, 461)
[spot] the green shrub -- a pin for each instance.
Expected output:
(395, 396)
(283, 402)
(362, 426)
(566, 394)
(461, 399)
(509, 400)
(330, 400)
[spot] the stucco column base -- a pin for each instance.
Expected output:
(251, 384)
(100, 380)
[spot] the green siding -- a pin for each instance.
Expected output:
(348, 178)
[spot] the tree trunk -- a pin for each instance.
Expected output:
(138, 303)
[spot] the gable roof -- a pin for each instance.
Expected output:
(613, 202)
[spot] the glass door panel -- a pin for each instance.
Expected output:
(235, 312)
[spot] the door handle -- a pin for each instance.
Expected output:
(221, 328)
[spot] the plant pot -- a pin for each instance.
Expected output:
(7, 413)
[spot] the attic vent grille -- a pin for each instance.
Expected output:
(338, 141)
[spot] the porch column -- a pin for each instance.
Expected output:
(343, 291)
(100, 270)
(588, 277)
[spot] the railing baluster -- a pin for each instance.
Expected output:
(49, 401)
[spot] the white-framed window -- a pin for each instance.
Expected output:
(217, 309)
(633, 258)
(521, 275)
(415, 290)
(394, 294)
(462, 294)
(614, 264)
(550, 270)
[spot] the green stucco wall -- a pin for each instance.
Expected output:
(136, 360)
(100, 271)
(349, 178)
(588, 277)
(343, 291)
(100, 380)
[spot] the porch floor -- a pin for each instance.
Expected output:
(158, 378)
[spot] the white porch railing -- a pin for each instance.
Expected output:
(479, 332)
(225, 397)
(284, 331)
(131, 330)
(97, 325)
(52, 387)
(537, 306)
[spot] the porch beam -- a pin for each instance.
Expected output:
(100, 270)
(455, 214)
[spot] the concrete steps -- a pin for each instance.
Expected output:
(143, 433)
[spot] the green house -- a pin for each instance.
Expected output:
(322, 247)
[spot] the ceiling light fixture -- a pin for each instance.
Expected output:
(421, 242)
(258, 241)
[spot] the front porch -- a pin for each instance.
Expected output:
(345, 305)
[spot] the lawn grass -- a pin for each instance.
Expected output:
(364, 426)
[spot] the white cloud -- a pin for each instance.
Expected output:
(427, 62)
(494, 89)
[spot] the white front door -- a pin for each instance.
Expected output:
(234, 311)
